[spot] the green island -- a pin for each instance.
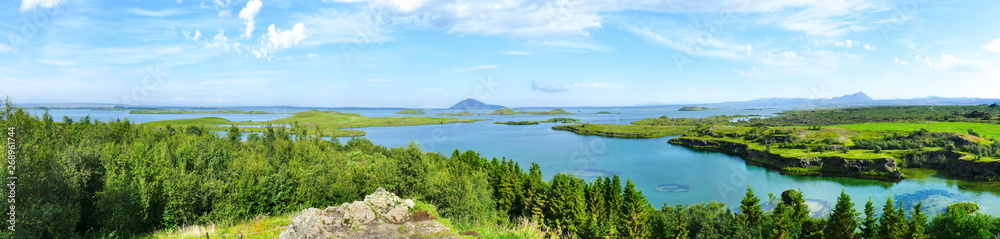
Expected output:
(552, 120)
(411, 112)
(94, 179)
(163, 111)
(508, 111)
(695, 108)
(463, 113)
(606, 112)
(326, 123)
(862, 142)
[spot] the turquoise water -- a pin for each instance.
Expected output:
(685, 176)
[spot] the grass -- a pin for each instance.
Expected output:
(411, 112)
(552, 120)
(329, 123)
(264, 227)
(161, 111)
(463, 113)
(508, 111)
(625, 131)
(984, 129)
(272, 226)
(695, 108)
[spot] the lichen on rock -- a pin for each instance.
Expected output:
(381, 215)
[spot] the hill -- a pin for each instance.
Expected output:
(473, 104)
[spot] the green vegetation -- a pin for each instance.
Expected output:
(695, 108)
(411, 112)
(463, 113)
(624, 131)
(604, 112)
(117, 179)
(882, 114)
(508, 111)
(325, 123)
(552, 120)
(162, 111)
(648, 128)
(982, 129)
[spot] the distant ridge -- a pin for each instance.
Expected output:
(856, 97)
(473, 104)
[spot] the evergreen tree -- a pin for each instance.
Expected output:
(633, 211)
(918, 224)
(890, 225)
(534, 194)
(566, 210)
(613, 199)
(750, 208)
(843, 221)
(680, 228)
(868, 225)
(596, 227)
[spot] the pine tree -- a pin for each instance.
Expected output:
(843, 221)
(566, 208)
(890, 225)
(868, 225)
(633, 211)
(918, 226)
(534, 194)
(596, 227)
(680, 229)
(613, 199)
(751, 209)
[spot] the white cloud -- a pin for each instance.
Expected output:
(574, 45)
(474, 68)
(692, 43)
(247, 14)
(846, 43)
(156, 13)
(225, 13)
(518, 53)
(379, 80)
(949, 62)
(522, 19)
(58, 62)
(28, 5)
(197, 35)
(546, 88)
(312, 55)
(12, 79)
(869, 47)
(993, 46)
(898, 61)
(5, 48)
(753, 72)
(340, 26)
(601, 85)
(277, 40)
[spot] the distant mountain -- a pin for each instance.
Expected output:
(856, 97)
(473, 104)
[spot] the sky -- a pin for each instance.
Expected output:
(434, 53)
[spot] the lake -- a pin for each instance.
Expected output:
(665, 173)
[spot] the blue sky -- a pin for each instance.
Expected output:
(433, 53)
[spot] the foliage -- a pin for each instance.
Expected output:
(411, 112)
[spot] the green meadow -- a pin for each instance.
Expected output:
(327, 123)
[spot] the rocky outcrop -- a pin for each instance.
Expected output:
(381, 215)
(988, 171)
(884, 168)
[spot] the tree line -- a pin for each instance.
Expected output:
(85, 178)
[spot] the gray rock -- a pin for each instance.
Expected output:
(381, 215)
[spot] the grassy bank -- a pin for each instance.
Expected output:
(328, 123)
(161, 111)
